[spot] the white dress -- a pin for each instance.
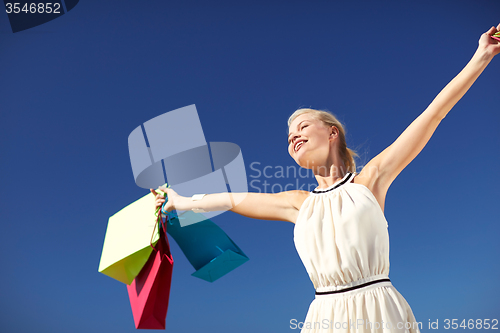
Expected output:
(341, 237)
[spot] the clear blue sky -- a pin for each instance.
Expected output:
(73, 89)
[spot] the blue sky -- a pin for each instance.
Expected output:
(74, 88)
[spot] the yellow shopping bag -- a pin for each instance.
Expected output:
(127, 244)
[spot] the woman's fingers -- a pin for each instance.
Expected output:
(159, 198)
(491, 31)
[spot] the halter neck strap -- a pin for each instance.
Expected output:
(347, 178)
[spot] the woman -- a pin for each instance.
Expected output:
(340, 229)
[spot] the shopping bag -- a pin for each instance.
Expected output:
(206, 246)
(127, 242)
(149, 292)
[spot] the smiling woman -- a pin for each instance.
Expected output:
(340, 229)
(341, 235)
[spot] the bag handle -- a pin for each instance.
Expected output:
(159, 220)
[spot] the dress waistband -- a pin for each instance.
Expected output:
(353, 285)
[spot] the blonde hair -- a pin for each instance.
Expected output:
(329, 120)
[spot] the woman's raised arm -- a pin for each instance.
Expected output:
(387, 165)
(283, 206)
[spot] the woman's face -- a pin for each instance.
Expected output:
(309, 141)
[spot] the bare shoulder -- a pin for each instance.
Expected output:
(369, 177)
(295, 198)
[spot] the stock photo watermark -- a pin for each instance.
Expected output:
(279, 178)
(363, 324)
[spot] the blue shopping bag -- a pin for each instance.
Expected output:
(206, 246)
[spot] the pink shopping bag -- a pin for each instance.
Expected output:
(150, 290)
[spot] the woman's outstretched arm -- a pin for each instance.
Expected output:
(281, 206)
(386, 166)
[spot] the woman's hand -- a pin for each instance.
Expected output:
(490, 45)
(160, 199)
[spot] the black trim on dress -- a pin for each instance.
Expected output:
(333, 188)
(351, 288)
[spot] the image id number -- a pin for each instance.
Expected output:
(40, 8)
(471, 324)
